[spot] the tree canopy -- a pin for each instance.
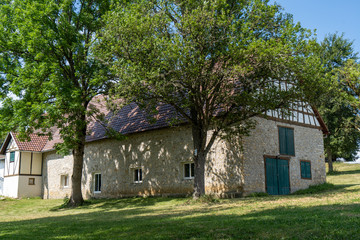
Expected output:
(334, 106)
(48, 71)
(349, 78)
(218, 63)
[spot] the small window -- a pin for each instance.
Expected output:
(65, 181)
(138, 175)
(305, 168)
(31, 181)
(286, 141)
(97, 183)
(12, 157)
(189, 169)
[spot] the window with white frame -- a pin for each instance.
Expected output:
(138, 175)
(189, 169)
(97, 183)
(64, 181)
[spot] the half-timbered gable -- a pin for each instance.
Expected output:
(23, 165)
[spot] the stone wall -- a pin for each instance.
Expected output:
(161, 155)
(55, 166)
(224, 168)
(264, 140)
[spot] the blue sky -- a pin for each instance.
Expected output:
(327, 16)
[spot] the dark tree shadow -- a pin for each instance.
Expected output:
(344, 172)
(116, 221)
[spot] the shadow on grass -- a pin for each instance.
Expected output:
(319, 222)
(336, 189)
(116, 203)
(320, 188)
(334, 173)
(129, 202)
(318, 191)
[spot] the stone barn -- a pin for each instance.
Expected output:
(282, 154)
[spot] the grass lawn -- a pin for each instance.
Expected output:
(332, 214)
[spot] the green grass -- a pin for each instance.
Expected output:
(331, 212)
(317, 189)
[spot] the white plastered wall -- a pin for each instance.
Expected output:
(11, 186)
(2, 169)
(12, 168)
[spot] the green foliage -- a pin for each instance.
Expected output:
(335, 107)
(336, 50)
(349, 78)
(48, 72)
(47, 68)
(192, 55)
(218, 63)
(316, 189)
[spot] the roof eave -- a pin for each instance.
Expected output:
(5, 143)
(324, 128)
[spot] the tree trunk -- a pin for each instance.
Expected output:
(76, 198)
(329, 157)
(199, 179)
(199, 140)
(76, 194)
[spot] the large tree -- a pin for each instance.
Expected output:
(218, 63)
(348, 78)
(343, 140)
(48, 72)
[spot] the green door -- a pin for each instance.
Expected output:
(277, 176)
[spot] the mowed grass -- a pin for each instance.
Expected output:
(334, 213)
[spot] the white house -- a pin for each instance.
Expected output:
(22, 168)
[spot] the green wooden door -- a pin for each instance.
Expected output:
(271, 176)
(283, 176)
(277, 176)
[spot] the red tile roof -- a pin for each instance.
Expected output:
(35, 144)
